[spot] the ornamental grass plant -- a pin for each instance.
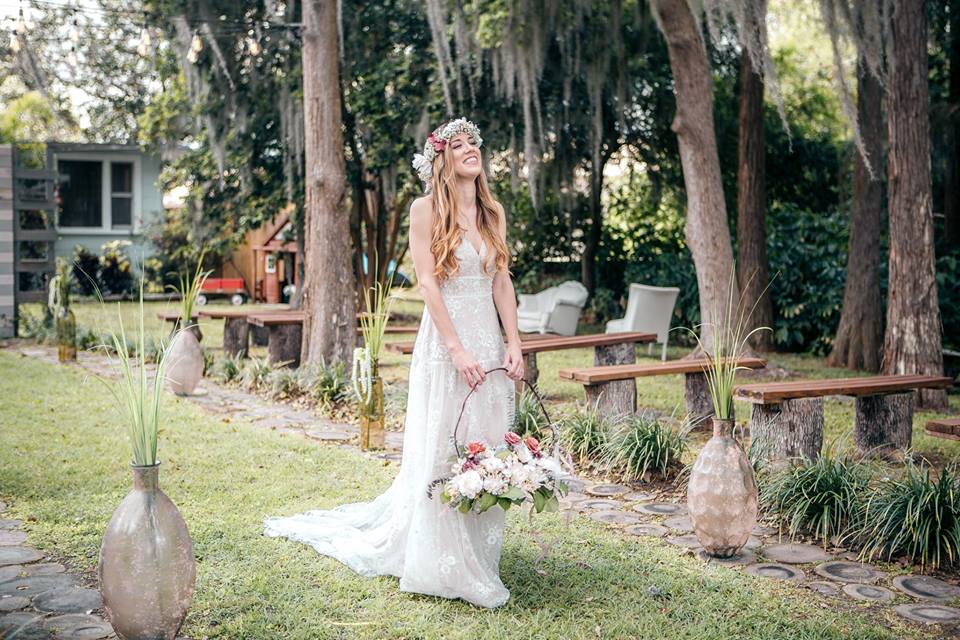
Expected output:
(915, 514)
(644, 443)
(585, 432)
(189, 288)
(529, 419)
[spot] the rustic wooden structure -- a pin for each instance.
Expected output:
(948, 429)
(613, 388)
(236, 329)
(787, 419)
(286, 333)
(173, 317)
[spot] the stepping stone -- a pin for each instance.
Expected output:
(679, 523)
(744, 556)
(775, 571)
(68, 600)
(753, 543)
(43, 569)
(13, 603)
(660, 508)
(651, 530)
(10, 538)
(761, 530)
(607, 490)
(794, 553)
(10, 524)
(23, 626)
(10, 572)
(614, 517)
(824, 588)
(849, 572)
(31, 586)
(638, 496)
(393, 457)
(78, 627)
(689, 541)
(928, 613)
(927, 588)
(599, 505)
(393, 439)
(18, 555)
(330, 436)
(869, 592)
(576, 484)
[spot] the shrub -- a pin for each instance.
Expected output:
(642, 443)
(585, 432)
(528, 417)
(226, 369)
(915, 516)
(283, 382)
(36, 327)
(821, 497)
(254, 374)
(116, 271)
(86, 270)
(326, 384)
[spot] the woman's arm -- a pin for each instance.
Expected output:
(421, 223)
(505, 299)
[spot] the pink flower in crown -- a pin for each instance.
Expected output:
(439, 144)
(511, 438)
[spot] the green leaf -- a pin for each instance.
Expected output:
(538, 501)
(552, 504)
(487, 501)
(505, 503)
(465, 505)
(445, 497)
(515, 493)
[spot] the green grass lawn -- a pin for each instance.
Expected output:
(63, 471)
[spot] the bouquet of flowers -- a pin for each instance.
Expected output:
(514, 472)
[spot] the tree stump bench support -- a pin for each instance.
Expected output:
(236, 337)
(787, 419)
(286, 336)
(612, 388)
(948, 429)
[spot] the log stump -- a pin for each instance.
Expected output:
(236, 337)
(790, 429)
(284, 345)
(696, 394)
(260, 336)
(883, 424)
(530, 371)
(616, 397)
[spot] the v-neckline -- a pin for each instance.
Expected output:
(464, 238)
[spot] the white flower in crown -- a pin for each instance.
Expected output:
(437, 142)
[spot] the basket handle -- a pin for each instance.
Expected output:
(463, 406)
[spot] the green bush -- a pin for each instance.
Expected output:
(326, 384)
(86, 270)
(820, 497)
(283, 383)
(643, 443)
(116, 270)
(226, 369)
(255, 373)
(915, 516)
(584, 432)
(528, 417)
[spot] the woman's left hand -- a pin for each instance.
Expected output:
(513, 361)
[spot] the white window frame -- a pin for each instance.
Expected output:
(106, 192)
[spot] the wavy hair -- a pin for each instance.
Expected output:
(447, 235)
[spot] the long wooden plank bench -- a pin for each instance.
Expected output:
(605, 388)
(948, 429)
(787, 417)
(174, 317)
(608, 348)
(236, 330)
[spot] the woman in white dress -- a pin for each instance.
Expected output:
(458, 244)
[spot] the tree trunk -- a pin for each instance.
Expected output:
(860, 335)
(707, 234)
(883, 424)
(951, 183)
(617, 397)
(753, 272)
(790, 429)
(912, 344)
(329, 324)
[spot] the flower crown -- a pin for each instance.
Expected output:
(437, 142)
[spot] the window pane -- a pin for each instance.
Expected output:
(80, 193)
(120, 210)
(121, 177)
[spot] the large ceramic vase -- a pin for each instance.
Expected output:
(722, 494)
(372, 433)
(184, 368)
(147, 567)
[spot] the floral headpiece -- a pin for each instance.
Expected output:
(437, 142)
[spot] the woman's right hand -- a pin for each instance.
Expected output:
(468, 366)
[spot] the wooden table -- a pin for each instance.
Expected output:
(598, 390)
(787, 418)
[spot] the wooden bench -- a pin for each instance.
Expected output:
(236, 329)
(948, 429)
(599, 384)
(608, 348)
(173, 317)
(285, 335)
(787, 418)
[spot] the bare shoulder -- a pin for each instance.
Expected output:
(421, 208)
(501, 215)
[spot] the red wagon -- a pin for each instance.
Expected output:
(233, 287)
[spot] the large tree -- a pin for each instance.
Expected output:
(329, 328)
(859, 338)
(912, 343)
(707, 234)
(753, 272)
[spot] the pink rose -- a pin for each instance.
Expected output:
(534, 445)
(468, 464)
(475, 448)
(439, 144)
(511, 438)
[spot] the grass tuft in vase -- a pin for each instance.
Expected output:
(365, 373)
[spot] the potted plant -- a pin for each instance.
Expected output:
(185, 358)
(722, 489)
(66, 322)
(147, 568)
(367, 383)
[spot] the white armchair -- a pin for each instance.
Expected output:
(554, 310)
(649, 309)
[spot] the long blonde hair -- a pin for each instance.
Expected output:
(447, 235)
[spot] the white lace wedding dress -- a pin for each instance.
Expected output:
(432, 548)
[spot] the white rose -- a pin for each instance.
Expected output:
(520, 474)
(469, 483)
(492, 464)
(523, 453)
(551, 466)
(496, 485)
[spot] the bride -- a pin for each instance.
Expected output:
(458, 243)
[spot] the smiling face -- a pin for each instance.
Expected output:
(465, 156)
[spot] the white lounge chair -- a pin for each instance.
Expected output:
(553, 310)
(649, 309)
